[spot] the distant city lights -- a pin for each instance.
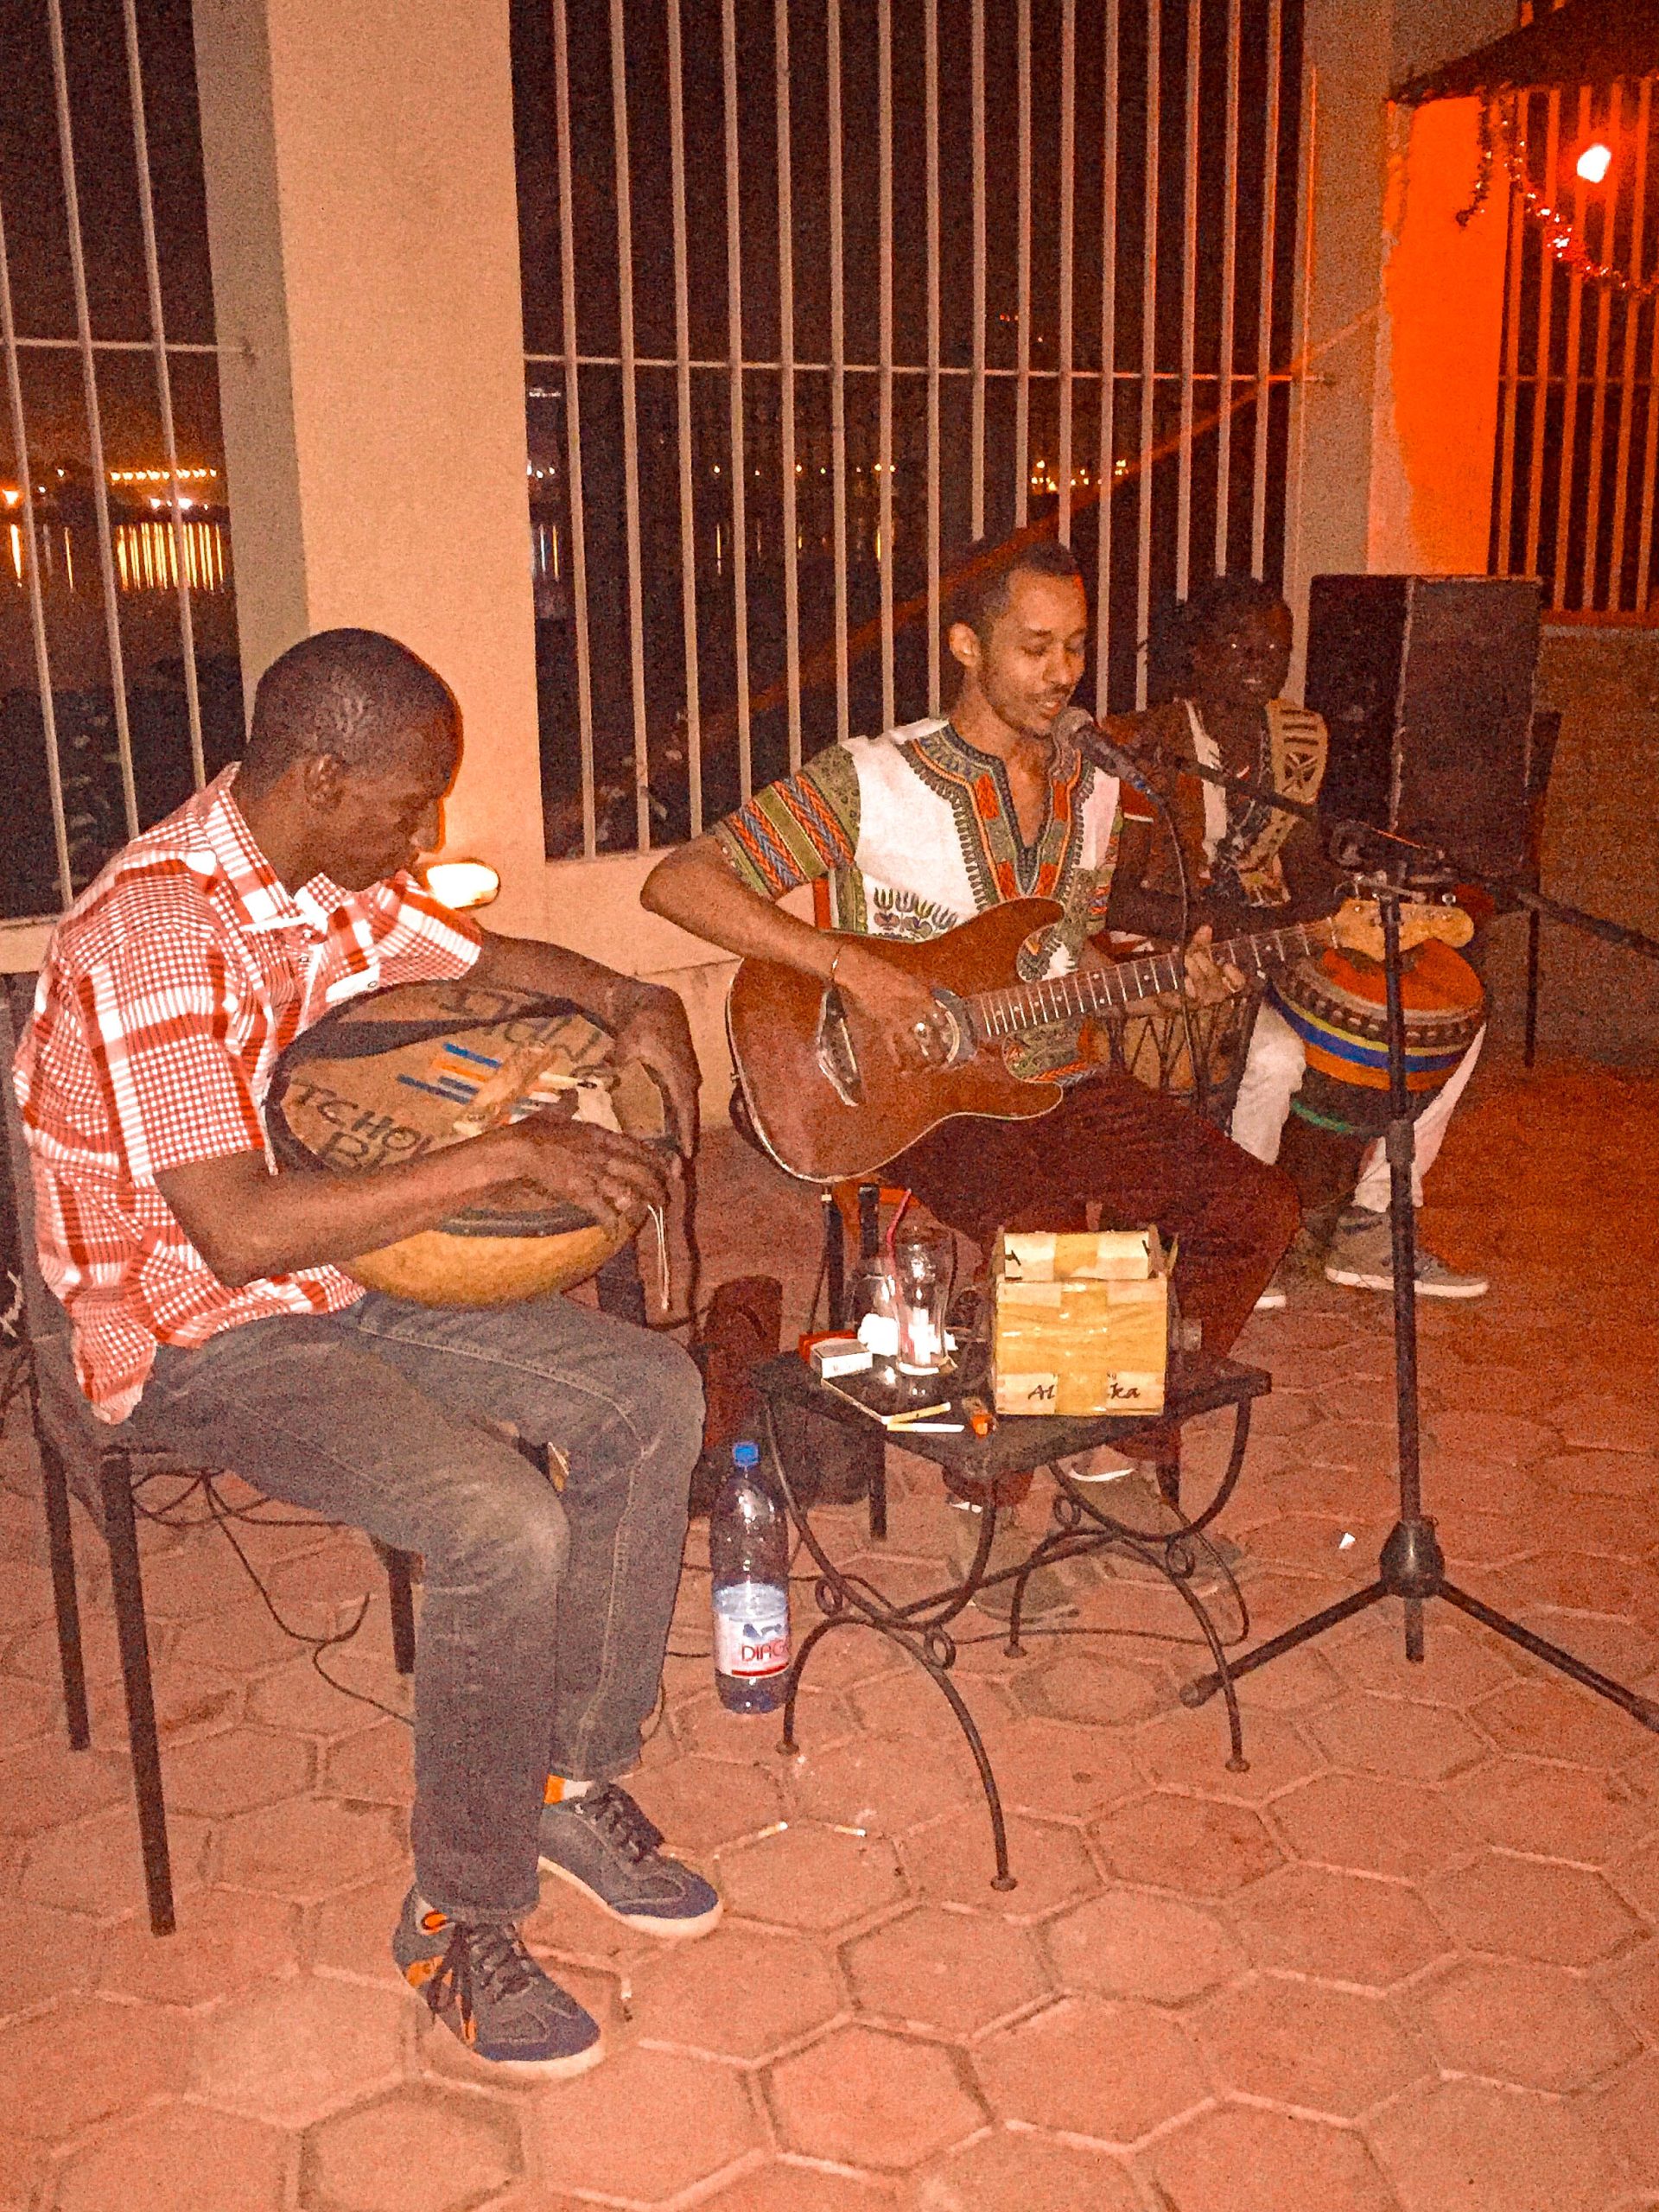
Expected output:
(161, 476)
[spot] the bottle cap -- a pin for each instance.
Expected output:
(746, 1455)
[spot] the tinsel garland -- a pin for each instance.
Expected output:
(1561, 237)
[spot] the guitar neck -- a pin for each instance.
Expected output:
(1018, 1008)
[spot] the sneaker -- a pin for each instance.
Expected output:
(1361, 1257)
(604, 1846)
(1045, 1598)
(1272, 1299)
(1140, 1504)
(478, 1978)
(1102, 1465)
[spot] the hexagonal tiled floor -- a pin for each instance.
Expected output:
(1408, 1960)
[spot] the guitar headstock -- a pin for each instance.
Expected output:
(1358, 928)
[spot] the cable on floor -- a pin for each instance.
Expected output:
(223, 1515)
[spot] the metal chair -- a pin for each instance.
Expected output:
(87, 1457)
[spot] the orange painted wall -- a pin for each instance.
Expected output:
(1438, 349)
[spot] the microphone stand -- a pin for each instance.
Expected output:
(1435, 867)
(1412, 1567)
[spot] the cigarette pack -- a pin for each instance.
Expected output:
(840, 1354)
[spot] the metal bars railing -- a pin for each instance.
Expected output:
(731, 117)
(74, 681)
(1227, 305)
(1107, 449)
(31, 563)
(1578, 437)
(94, 413)
(790, 466)
(987, 266)
(935, 355)
(575, 504)
(1149, 209)
(164, 382)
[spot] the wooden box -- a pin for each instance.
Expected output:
(1082, 1323)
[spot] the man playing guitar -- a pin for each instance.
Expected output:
(921, 828)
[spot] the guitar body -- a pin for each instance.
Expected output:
(773, 1018)
(826, 1099)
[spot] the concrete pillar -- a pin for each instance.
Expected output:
(1439, 338)
(363, 224)
(1403, 315)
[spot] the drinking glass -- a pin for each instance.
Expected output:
(924, 1269)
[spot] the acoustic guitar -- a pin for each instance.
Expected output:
(825, 1098)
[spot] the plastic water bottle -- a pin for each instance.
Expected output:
(748, 1553)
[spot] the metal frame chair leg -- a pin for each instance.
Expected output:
(127, 1588)
(402, 1599)
(619, 1289)
(835, 1260)
(66, 1597)
(878, 1499)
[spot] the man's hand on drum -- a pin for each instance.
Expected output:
(913, 1024)
(615, 1178)
(651, 1029)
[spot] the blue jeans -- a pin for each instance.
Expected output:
(544, 1617)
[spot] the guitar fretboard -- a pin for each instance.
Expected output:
(1016, 1009)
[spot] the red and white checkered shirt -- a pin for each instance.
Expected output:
(169, 989)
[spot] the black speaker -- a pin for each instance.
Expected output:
(1425, 686)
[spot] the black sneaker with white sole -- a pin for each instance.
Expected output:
(605, 1847)
(478, 1980)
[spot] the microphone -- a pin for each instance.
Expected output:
(1079, 725)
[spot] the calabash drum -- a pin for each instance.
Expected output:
(387, 1078)
(1337, 1005)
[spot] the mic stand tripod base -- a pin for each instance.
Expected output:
(1412, 1567)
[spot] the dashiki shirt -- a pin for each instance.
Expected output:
(915, 832)
(1243, 838)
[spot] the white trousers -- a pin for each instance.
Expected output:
(1273, 1069)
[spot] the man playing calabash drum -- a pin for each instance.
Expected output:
(213, 1316)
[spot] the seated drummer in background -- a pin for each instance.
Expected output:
(919, 829)
(213, 1316)
(1228, 657)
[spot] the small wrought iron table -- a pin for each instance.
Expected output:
(991, 1473)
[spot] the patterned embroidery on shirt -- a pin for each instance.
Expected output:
(974, 784)
(1297, 746)
(903, 914)
(795, 830)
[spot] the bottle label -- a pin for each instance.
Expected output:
(750, 1630)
